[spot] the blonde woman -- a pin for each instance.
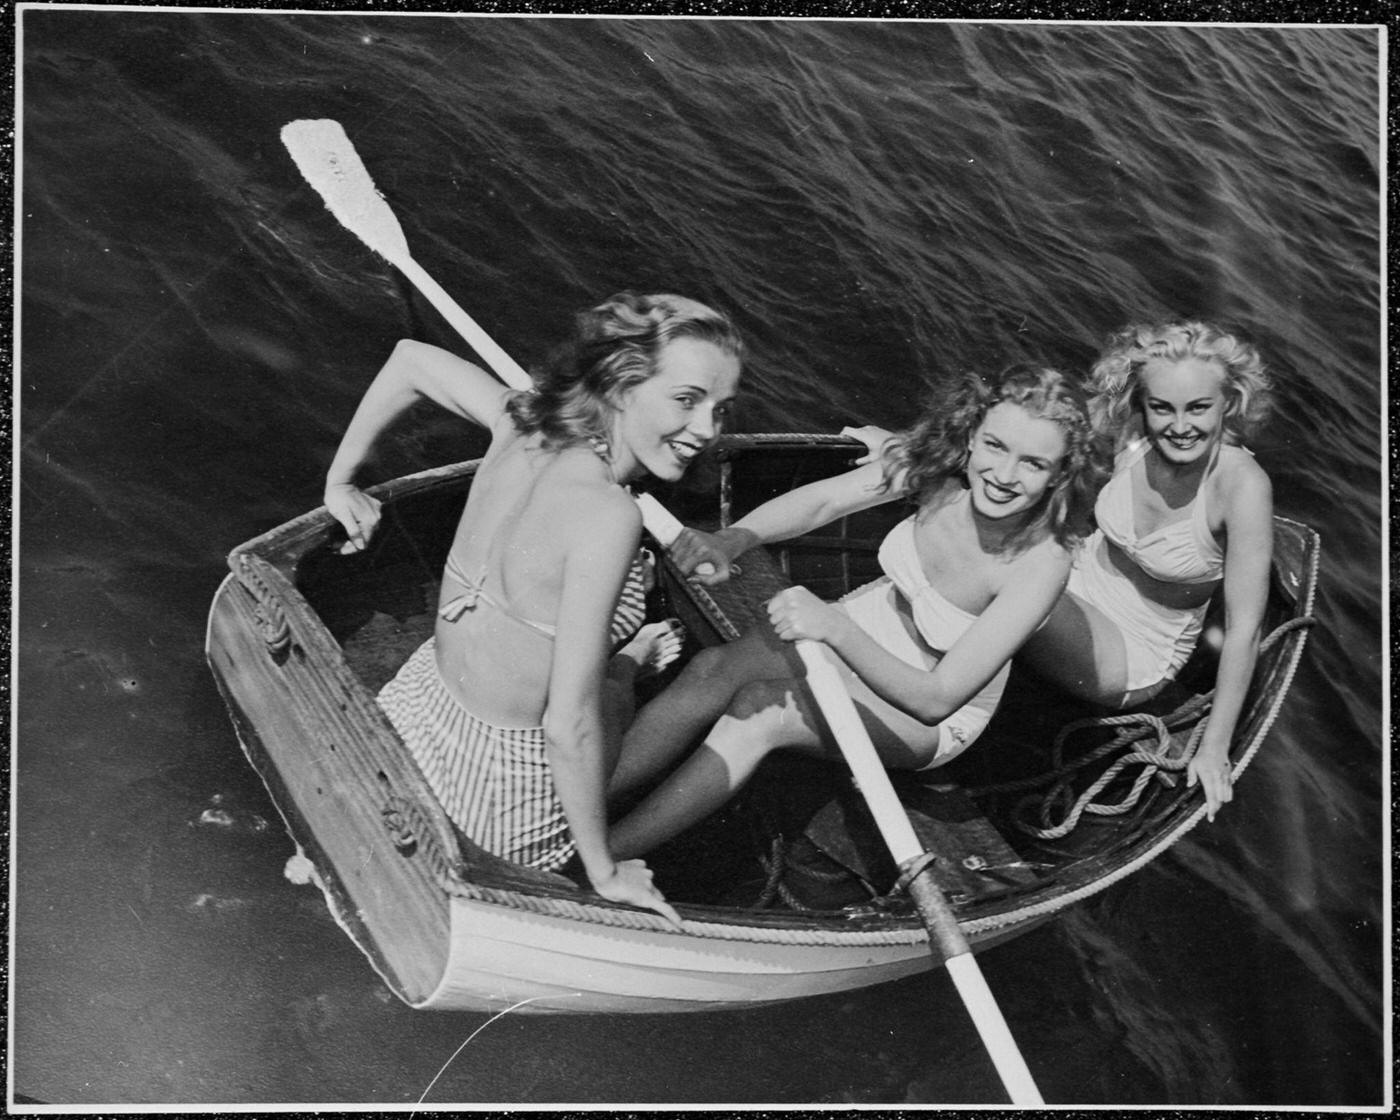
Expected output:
(1187, 511)
(503, 708)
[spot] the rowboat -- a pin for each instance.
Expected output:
(782, 893)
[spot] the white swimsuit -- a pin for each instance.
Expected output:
(885, 609)
(1158, 639)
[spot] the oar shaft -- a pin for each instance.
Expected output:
(501, 363)
(839, 711)
(996, 1035)
(874, 784)
(848, 730)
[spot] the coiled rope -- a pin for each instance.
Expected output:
(1144, 740)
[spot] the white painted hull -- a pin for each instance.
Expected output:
(501, 957)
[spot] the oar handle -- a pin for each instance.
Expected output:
(502, 364)
(664, 525)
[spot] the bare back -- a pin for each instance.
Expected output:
(528, 507)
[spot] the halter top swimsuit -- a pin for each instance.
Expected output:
(627, 615)
(1182, 551)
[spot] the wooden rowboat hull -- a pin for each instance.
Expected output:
(441, 952)
(450, 927)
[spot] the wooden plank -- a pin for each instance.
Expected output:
(336, 786)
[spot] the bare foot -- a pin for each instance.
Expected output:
(654, 646)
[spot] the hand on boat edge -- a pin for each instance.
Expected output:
(357, 512)
(631, 883)
(875, 438)
(1216, 777)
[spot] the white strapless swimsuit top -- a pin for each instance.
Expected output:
(939, 622)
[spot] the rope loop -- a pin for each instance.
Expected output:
(396, 816)
(1143, 739)
(271, 619)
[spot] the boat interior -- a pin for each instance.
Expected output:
(799, 838)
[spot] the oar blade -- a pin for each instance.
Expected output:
(329, 162)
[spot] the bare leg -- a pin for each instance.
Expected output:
(671, 723)
(1080, 649)
(651, 649)
(763, 716)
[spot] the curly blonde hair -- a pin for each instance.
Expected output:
(1116, 378)
(936, 449)
(615, 346)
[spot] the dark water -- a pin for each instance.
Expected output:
(881, 205)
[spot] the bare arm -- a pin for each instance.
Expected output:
(788, 515)
(930, 696)
(604, 539)
(1249, 554)
(414, 371)
(818, 503)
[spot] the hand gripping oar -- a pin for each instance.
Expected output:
(330, 163)
(841, 716)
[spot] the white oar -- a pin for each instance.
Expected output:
(328, 160)
(325, 156)
(873, 782)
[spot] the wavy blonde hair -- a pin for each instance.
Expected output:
(936, 449)
(615, 346)
(1117, 375)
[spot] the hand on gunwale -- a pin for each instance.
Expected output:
(630, 882)
(356, 511)
(1212, 769)
(875, 439)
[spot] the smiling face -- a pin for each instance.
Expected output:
(668, 419)
(1015, 458)
(1183, 407)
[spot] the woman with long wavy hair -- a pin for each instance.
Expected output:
(1002, 472)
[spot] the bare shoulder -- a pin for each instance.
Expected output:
(1045, 562)
(586, 512)
(1241, 483)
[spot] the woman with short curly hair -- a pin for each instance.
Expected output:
(1001, 472)
(1188, 510)
(504, 708)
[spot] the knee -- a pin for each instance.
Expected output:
(709, 664)
(774, 700)
(762, 717)
(718, 668)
